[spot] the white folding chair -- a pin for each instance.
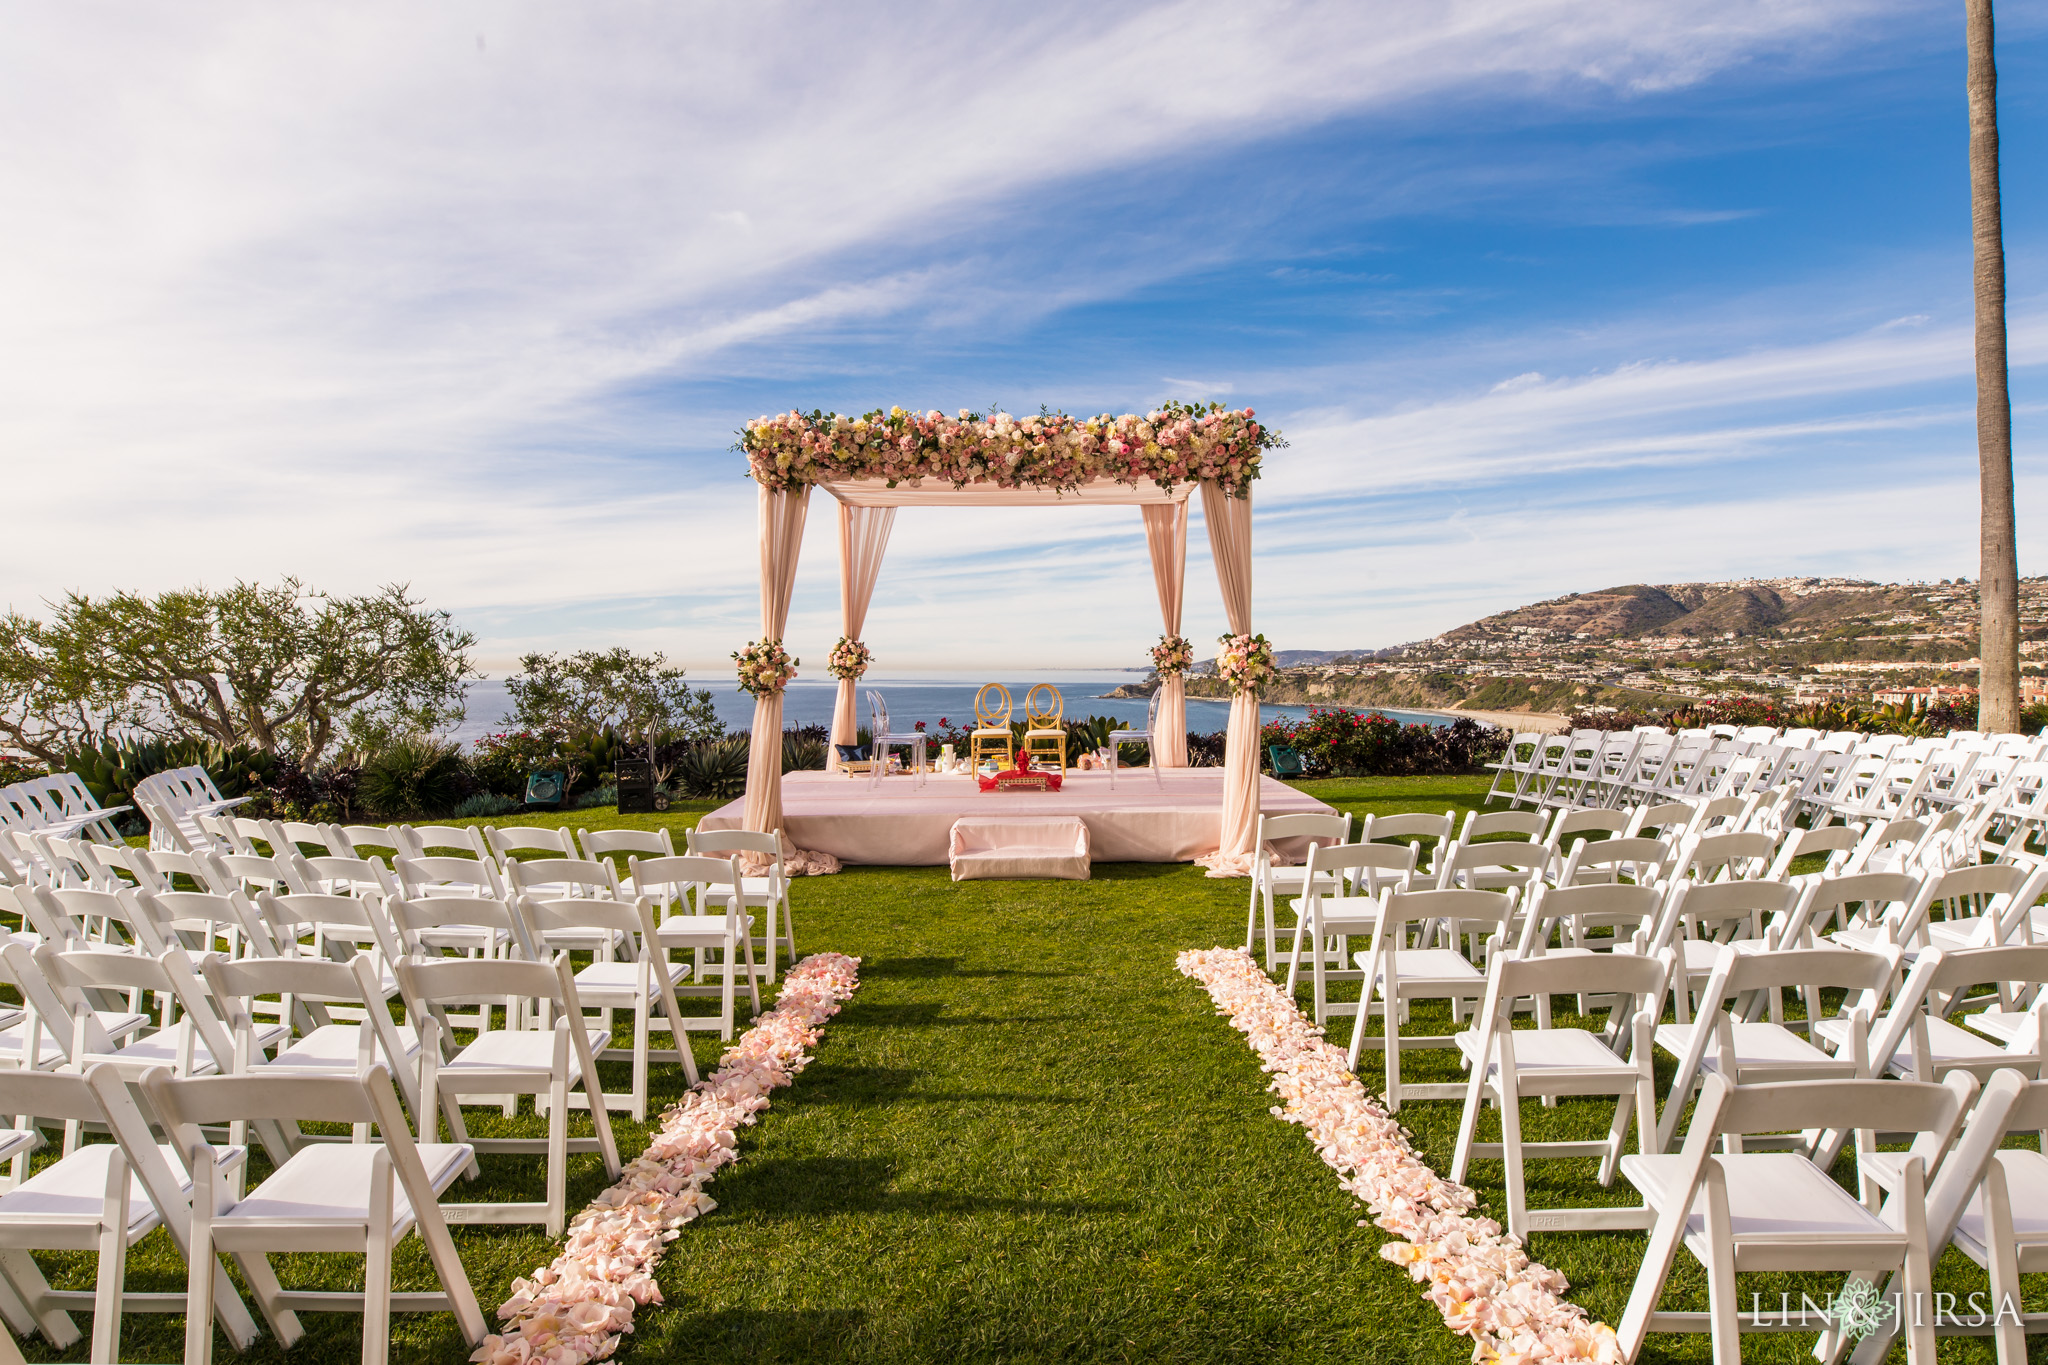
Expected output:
(1512, 770)
(1510, 1064)
(546, 1062)
(644, 984)
(1777, 1211)
(718, 924)
(1991, 1203)
(1344, 882)
(1271, 878)
(103, 1197)
(1719, 1042)
(766, 889)
(1397, 974)
(356, 1197)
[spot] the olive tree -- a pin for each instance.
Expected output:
(283, 668)
(641, 696)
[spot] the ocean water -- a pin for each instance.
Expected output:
(930, 697)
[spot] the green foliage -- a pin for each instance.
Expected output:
(607, 795)
(283, 669)
(483, 805)
(501, 762)
(417, 775)
(715, 768)
(802, 752)
(13, 770)
(1348, 743)
(615, 692)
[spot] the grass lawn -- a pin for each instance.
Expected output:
(1027, 1137)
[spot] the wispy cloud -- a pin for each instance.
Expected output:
(463, 295)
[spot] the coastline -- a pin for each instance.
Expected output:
(1506, 720)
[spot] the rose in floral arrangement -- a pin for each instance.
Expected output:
(850, 659)
(765, 668)
(1173, 654)
(1245, 661)
(1175, 443)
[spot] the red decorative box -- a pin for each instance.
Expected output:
(1021, 780)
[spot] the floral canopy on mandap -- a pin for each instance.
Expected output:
(872, 465)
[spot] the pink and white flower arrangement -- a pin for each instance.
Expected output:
(765, 668)
(1245, 661)
(1480, 1279)
(850, 659)
(1173, 655)
(572, 1311)
(1174, 444)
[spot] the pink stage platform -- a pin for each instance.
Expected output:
(901, 825)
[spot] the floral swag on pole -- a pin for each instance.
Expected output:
(850, 659)
(765, 668)
(1245, 662)
(1173, 655)
(1175, 443)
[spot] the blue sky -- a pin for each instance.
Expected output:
(1546, 296)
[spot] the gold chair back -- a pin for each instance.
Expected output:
(1043, 707)
(986, 710)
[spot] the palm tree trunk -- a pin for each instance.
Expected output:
(1998, 700)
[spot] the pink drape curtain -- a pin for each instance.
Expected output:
(782, 539)
(863, 537)
(1166, 534)
(1230, 544)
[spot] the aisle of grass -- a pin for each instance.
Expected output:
(1028, 1138)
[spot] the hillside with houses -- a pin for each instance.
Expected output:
(1800, 640)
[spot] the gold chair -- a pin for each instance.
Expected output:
(1043, 732)
(991, 735)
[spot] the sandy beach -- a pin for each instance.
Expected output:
(1545, 721)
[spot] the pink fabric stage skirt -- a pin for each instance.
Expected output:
(899, 824)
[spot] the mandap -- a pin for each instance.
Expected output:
(874, 464)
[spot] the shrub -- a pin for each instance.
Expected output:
(715, 768)
(607, 795)
(418, 775)
(802, 752)
(1354, 744)
(330, 791)
(484, 805)
(501, 762)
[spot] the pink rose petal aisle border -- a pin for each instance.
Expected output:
(1480, 1279)
(573, 1310)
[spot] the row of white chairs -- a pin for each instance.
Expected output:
(1938, 962)
(305, 1064)
(1844, 774)
(58, 804)
(479, 859)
